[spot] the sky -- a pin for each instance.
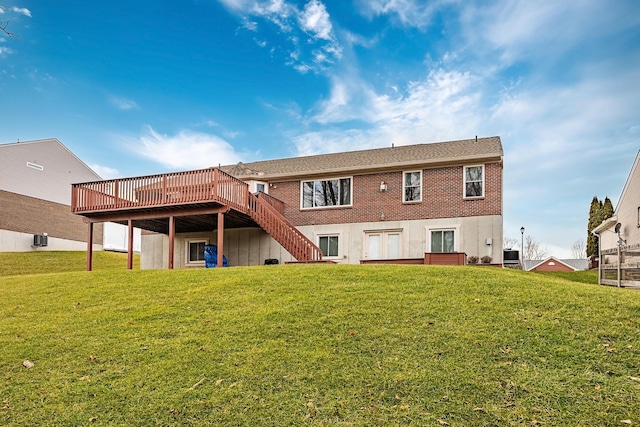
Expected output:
(148, 86)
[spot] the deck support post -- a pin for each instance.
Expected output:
(172, 237)
(220, 239)
(130, 247)
(89, 246)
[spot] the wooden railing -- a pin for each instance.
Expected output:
(276, 203)
(204, 185)
(274, 223)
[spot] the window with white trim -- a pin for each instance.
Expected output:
(326, 193)
(442, 241)
(474, 181)
(195, 251)
(412, 187)
(329, 245)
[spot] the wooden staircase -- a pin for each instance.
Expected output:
(282, 231)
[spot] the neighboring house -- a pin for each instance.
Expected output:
(35, 200)
(619, 236)
(425, 203)
(35, 197)
(555, 264)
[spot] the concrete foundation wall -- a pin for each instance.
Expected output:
(252, 246)
(12, 241)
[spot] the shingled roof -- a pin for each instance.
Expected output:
(375, 160)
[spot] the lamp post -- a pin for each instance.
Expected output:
(522, 247)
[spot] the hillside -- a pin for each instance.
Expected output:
(317, 345)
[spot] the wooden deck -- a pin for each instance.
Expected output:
(188, 201)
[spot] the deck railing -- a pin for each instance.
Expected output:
(181, 188)
(276, 203)
(204, 185)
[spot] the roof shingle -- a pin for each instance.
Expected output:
(379, 159)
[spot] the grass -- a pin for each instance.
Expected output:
(317, 345)
(13, 263)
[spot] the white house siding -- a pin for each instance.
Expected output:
(252, 246)
(627, 213)
(59, 169)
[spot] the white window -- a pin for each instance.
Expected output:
(326, 193)
(384, 244)
(443, 241)
(474, 181)
(412, 186)
(329, 245)
(195, 251)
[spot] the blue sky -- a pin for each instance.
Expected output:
(148, 86)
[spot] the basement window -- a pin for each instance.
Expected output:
(329, 245)
(195, 252)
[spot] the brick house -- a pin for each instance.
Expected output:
(35, 178)
(555, 264)
(424, 203)
(619, 236)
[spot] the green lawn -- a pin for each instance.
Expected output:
(317, 345)
(12, 263)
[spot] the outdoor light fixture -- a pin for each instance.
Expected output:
(383, 186)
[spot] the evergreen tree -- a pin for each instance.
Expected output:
(607, 209)
(595, 219)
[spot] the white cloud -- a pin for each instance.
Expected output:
(249, 25)
(22, 11)
(315, 19)
(236, 4)
(105, 172)
(312, 23)
(430, 107)
(413, 13)
(5, 51)
(541, 31)
(122, 103)
(185, 150)
(445, 105)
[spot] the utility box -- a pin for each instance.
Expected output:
(40, 240)
(511, 257)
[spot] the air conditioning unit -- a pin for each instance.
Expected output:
(40, 240)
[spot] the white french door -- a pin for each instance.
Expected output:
(382, 244)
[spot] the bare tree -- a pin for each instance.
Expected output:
(8, 15)
(579, 249)
(509, 242)
(4, 23)
(533, 250)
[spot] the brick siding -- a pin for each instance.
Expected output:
(30, 215)
(442, 197)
